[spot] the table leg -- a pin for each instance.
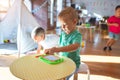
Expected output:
(75, 76)
(62, 79)
(91, 35)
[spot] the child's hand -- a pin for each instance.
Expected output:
(50, 51)
(46, 51)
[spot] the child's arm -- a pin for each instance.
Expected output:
(68, 48)
(113, 24)
(39, 49)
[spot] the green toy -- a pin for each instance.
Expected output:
(51, 59)
(6, 41)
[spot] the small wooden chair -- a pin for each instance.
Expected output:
(83, 69)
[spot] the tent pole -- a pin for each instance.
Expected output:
(19, 28)
(19, 31)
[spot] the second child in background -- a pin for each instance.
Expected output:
(114, 29)
(43, 40)
(38, 35)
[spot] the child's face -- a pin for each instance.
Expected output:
(117, 12)
(39, 38)
(67, 25)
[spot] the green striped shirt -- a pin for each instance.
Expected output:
(67, 39)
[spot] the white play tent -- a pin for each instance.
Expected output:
(18, 24)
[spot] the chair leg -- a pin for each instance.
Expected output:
(75, 76)
(88, 73)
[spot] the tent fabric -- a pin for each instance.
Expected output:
(19, 23)
(8, 26)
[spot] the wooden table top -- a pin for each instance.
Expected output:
(31, 68)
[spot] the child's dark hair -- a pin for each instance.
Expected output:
(38, 31)
(118, 6)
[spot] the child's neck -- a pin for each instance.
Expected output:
(117, 16)
(73, 30)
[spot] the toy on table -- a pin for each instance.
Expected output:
(51, 59)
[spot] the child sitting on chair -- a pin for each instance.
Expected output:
(70, 38)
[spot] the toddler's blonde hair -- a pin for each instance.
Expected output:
(69, 13)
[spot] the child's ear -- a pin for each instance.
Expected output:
(42, 36)
(35, 38)
(75, 21)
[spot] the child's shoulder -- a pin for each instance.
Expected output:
(112, 17)
(78, 32)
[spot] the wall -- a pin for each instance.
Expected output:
(102, 7)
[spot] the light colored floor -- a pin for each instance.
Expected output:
(5, 61)
(103, 65)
